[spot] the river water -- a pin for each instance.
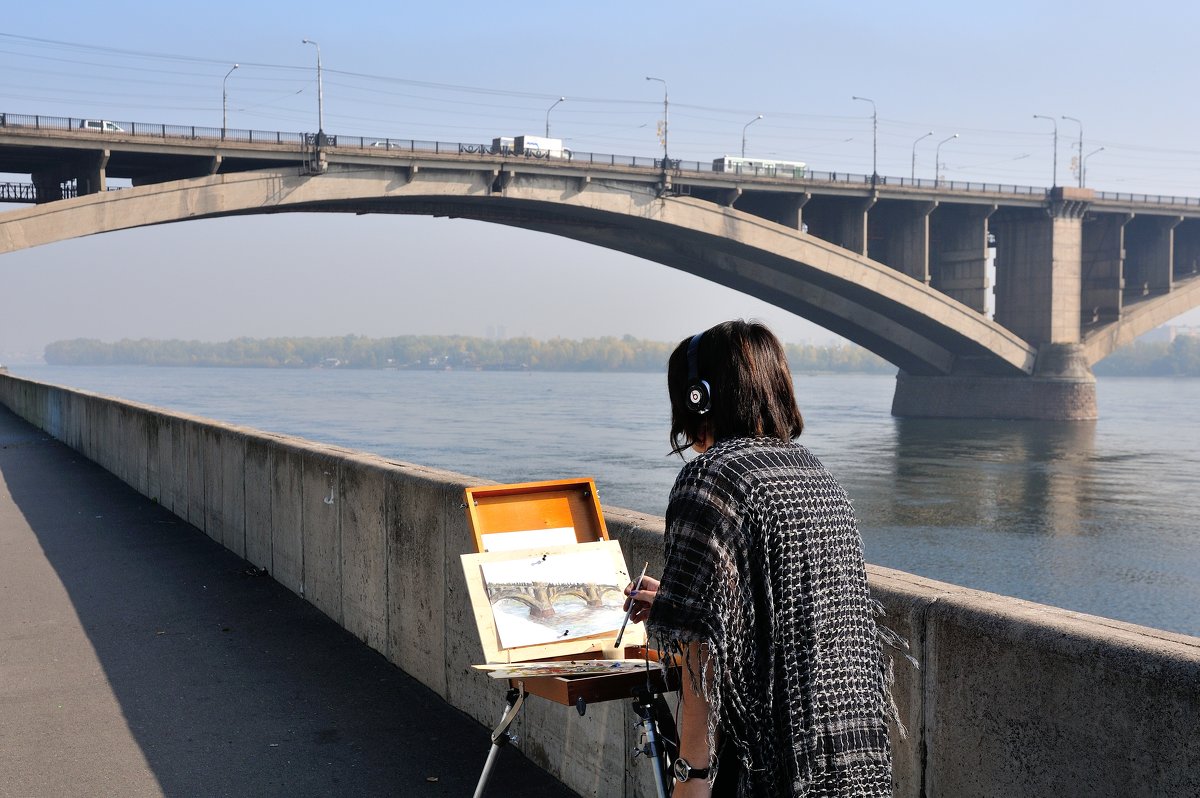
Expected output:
(1096, 517)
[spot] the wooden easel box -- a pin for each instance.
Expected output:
(553, 504)
(558, 504)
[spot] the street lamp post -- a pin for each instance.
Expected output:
(1083, 166)
(874, 138)
(1080, 123)
(1054, 182)
(320, 95)
(664, 125)
(225, 101)
(914, 158)
(548, 110)
(937, 160)
(748, 124)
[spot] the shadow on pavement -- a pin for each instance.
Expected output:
(229, 684)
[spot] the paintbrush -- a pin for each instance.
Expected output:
(636, 587)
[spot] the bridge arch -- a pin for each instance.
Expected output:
(904, 321)
(592, 595)
(1140, 319)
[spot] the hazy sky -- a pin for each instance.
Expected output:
(468, 71)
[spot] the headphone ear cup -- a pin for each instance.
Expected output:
(699, 397)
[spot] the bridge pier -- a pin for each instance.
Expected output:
(784, 209)
(48, 185)
(88, 171)
(840, 220)
(1062, 388)
(959, 253)
(899, 236)
(1150, 255)
(1103, 271)
(1187, 249)
(1039, 267)
(1039, 287)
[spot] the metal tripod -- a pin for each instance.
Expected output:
(661, 744)
(514, 699)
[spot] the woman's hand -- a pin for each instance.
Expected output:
(641, 599)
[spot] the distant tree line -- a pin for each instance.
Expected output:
(428, 352)
(1179, 358)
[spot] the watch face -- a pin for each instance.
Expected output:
(682, 769)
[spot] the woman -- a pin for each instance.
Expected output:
(764, 591)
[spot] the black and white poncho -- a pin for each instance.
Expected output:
(764, 565)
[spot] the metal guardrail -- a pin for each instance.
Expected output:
(106, 128)
(18, 192)
(1155, 199)
(27, 192)
(111, 127)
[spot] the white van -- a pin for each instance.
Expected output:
(101, 126)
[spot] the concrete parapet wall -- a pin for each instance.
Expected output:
(1012, 698)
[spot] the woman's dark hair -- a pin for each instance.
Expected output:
(747, 371)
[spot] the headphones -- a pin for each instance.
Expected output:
(698, 398)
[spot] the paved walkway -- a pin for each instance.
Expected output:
(139, 658)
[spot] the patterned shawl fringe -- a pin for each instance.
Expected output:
(889, 639)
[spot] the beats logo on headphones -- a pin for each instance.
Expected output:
(698, 398)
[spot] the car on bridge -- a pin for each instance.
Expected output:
(101, 126)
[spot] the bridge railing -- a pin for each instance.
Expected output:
(677, 167)
(27, 192)
(1157, 199)
(18, 192)
(117, 127)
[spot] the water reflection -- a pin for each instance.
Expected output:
(1087, 516)
(1006, 477)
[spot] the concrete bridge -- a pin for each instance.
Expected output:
(539, 597)
(897, 266)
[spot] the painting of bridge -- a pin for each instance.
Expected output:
(549, 597)
(539, 597)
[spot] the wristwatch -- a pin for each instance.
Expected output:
(684, 771)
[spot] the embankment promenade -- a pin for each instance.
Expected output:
(1011, 698)
(140, 658)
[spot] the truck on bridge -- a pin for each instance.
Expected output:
(530, 147)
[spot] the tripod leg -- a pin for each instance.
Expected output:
(514, 699)
(644, 706)
(487, 770)
(668, 734)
